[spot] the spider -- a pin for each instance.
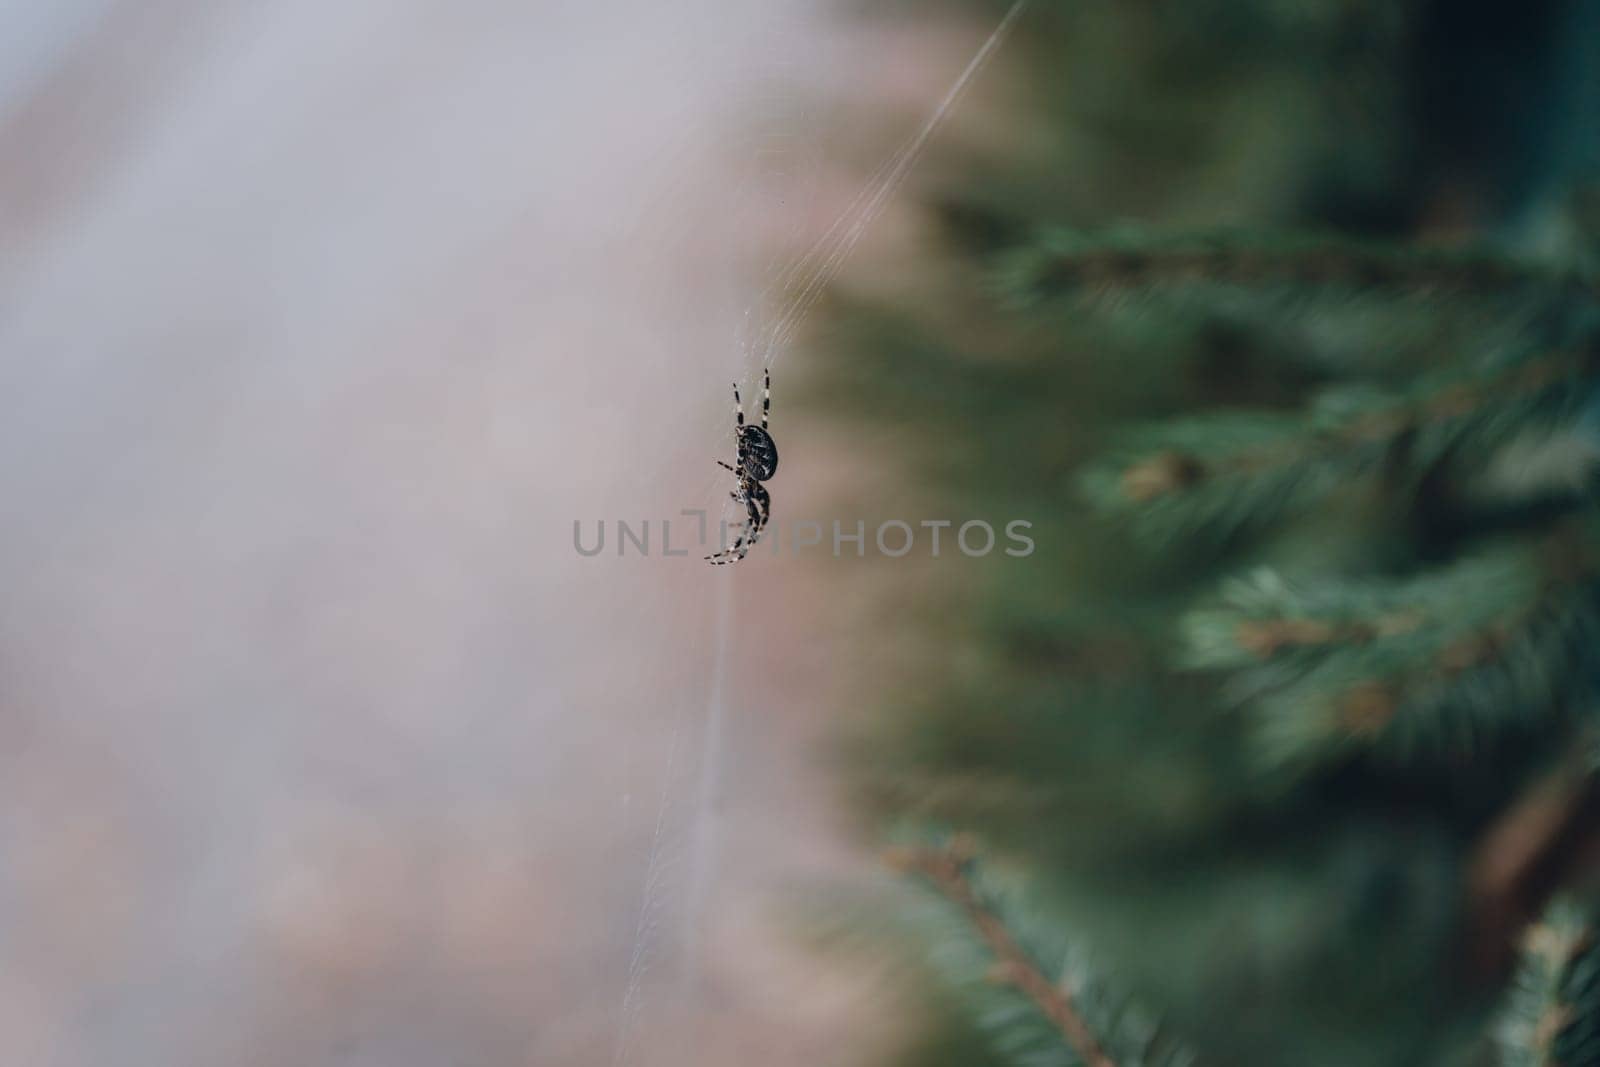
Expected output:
(755, 461)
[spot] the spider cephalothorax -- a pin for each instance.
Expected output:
(755, 460)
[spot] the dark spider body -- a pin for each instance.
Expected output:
(755, 460)
(760, 453)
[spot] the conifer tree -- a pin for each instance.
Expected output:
(1282, 746)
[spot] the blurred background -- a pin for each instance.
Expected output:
(321, 326)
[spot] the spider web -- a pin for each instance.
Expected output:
(794, 292)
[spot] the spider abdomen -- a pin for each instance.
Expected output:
(760, 454)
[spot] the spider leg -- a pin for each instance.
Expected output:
(759, 496)
(751, 529)
(737, 551)
(757, 520)
(738, 405)
(766, 396)
(725, 467)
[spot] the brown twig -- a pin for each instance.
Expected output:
(946, 869)
(1546, 839)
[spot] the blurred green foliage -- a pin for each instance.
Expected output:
(1277, 318)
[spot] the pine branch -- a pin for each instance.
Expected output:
(945, 870)
(1073, 262)
(1222, 474)
(1438, 663)
(1552, 1017)
(1088, 1028)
